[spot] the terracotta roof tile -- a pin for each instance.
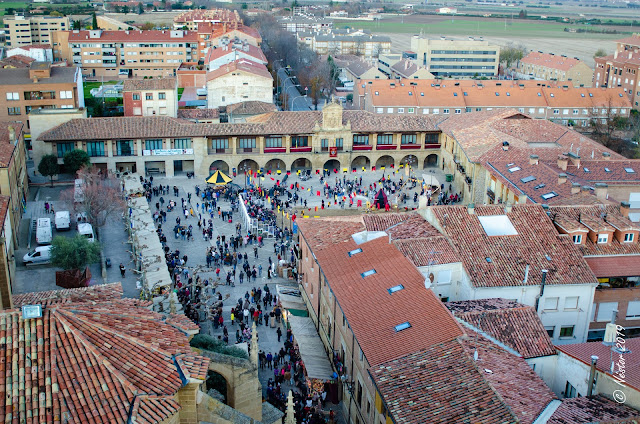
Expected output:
(240, 65)
(132, 36)
(153, 409)
(193, 366)
(495, 261)
(7, 147)
(103, 292)
(585, 410)
(252, 107)
(198, 113)
(150, 84)
(427, 251)
(549, 60)
(216, 53)
(517, 326)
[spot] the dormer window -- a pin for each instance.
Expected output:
(628, 237)
(577, 239)
(603, 238)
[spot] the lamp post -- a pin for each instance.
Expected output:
(284, 87)
(297, 98)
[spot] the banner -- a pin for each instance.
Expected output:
(333, 152)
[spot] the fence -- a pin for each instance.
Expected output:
(252, 224)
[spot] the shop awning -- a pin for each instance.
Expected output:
(311, 348)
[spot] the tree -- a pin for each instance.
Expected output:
(140, 9)
(245, 6)
(76, 159)
(102, 196)
(77, 24)
(604, 122)
(48, 167)
(74, 253)
(522, 14)
(94, 21)
(334, 74)
(147, 26)
(512, 53)
(599, 53)
(125, 9)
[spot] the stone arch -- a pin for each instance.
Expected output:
(219, 165)
(386, 161)
(332, 164)
(359, 162)
(274, 165)
(301, 164)
(218, 382)
(411, 160)
(431, 161)
(249, 163)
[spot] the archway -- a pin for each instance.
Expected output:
(217, 382)
(359, 162)
(274, 165)
(410, 160)
(219, 165)
(332, 164)
(386, 161)
(431, 161)
(301, 164)
(247, 164)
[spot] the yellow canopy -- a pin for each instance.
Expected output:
(219, 178)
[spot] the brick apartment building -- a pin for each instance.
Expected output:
(23, 31)
(548, 66)
(40, 86)
(621, 68)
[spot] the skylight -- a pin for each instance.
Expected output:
(590, 94)
(539, 94)
(497, 94)
(582, 94)
(508, 94)
(422, 94)
(514, 169)
(455, 94)
(620, 94)
(497, 225)
(553, 95)
(539, 186)
(549, 195)
(402, 326)
(368, 273)
(488, 259)
(629, 170)
(586, 169)
(465, 93)
(607, 170)
(547, 257)
(528, 179)
(354, 252)
(395, 288)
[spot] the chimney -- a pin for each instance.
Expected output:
(624, 209)
(606, 155)
(585, 189)
(562, 178)
(505, 145)
(601, 191)
(575, 188)
(526, 274)
(533, 159)
(507, 208)
(575, 159)
(471, 208)
(12, 134)
(592, 374)
(563, 161)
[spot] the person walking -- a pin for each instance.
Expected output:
(122, 269)
(279, 332)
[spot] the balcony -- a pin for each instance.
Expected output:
(244, 150)
(491, 195)
(409, 146)
(300, 149)
(275, 150)
(211, 151)
(386, 146)
(432, 146)
(357, 147)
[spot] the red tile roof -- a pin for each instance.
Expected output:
(243, 65)
(583, 352)
(549, 60)
(517, 326)
(102, 292)
(252, 107)
(495, 261)
(427, 251)
(167, 83)
(443, 384)
(215, 53)
(7, 147)
(198, 114)
(615, 266)
(89, 360)
(133, 36)
(596, 409)
(153, 409)
(434, 324)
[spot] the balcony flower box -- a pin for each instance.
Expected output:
(386, 147)
(357, 147)
(300, 149)
(409, 146)
(275, 150)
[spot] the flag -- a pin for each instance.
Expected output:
(272, 179)
(363, 169)
(318, 193)
(279, 172)
(353, 170)
(317, 171)
(278, 183)
(382, 167)
(373, 168)
(309, 189)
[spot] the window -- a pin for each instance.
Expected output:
(458, 111)
(549, 195)
(368, 273)
(605, 311)
(570, 391)
(220, 144)
(360, 140)
(359, 396)
(385, 139)
(124, 148)
(162, 96)
(577, 239)
(355, 252)
(628, 237)
(247, 143)
(409, 139)
(273, 142)
(324, 144)
(603, 238)
(136, 96)
(389, 110)
(299, 141)
(149, 96)
(13, 96)
(395, 288)
(445, 111)
(571, 302)
(556, 111)
(633, 309)
(550, 330)
(67, 94)
(410, 110)
(550, 304)
(153, 144)
(13, 111)
(95, 148)
(339, 144)
(400, 110)
(402, 326)
(182, 143)
(566, 331)
(64, 148)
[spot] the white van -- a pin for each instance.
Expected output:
(87, 231)
(63, 221)
(40, 255)
(43, 231)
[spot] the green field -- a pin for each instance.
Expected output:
(484, 27)
(11, 5)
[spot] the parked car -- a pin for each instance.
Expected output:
(39, 255)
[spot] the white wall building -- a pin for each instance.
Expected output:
(239, 81)
(219, 56)
(39, 52)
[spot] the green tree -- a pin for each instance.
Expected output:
(125, 9)
(94, 21)
(600, 53)
(511, 53)
(140, 9)
(245, 6)
(48, 167)
(77, 24)
(76, 159)
(74, 253)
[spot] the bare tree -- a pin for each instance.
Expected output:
(604, 121)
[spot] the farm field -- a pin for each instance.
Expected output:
(11, 5)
